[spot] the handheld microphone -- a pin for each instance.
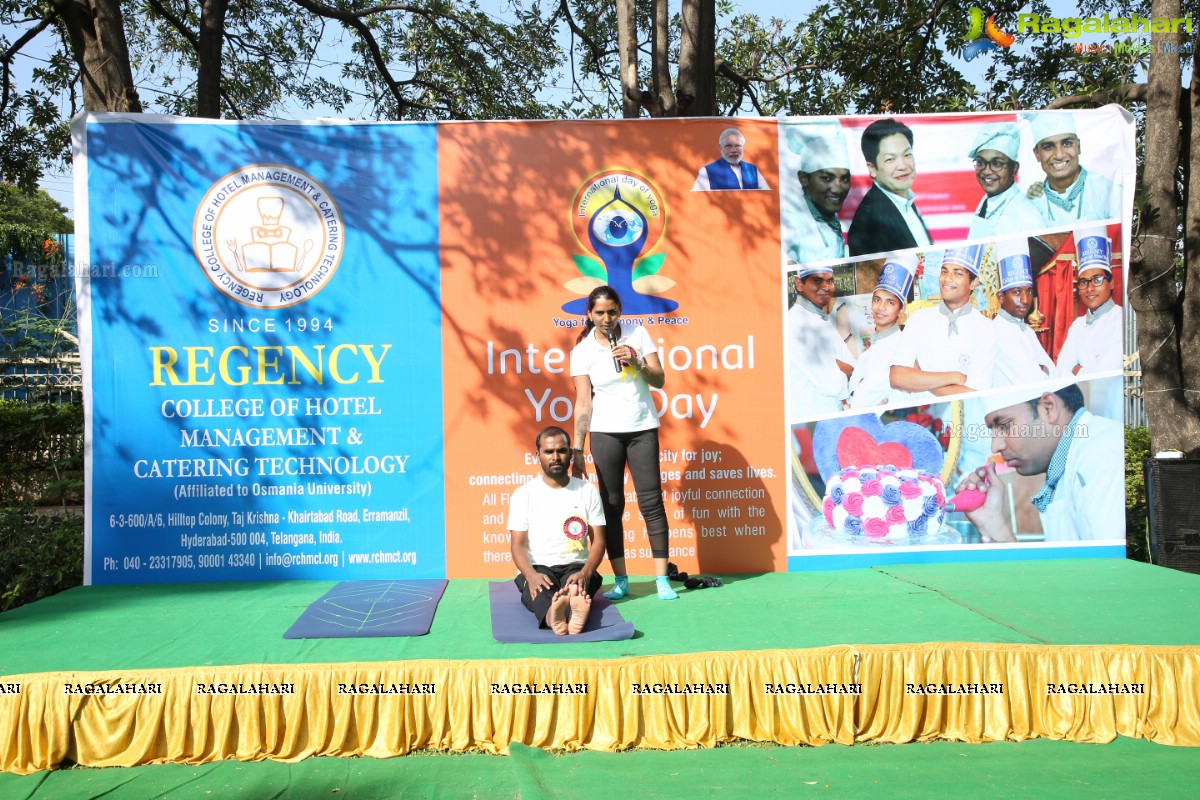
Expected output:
(612, 342)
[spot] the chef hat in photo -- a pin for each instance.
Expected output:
(1003, 137)
(1045, 124)
(806, 270)
(968, 256)
(1012, 397)
(1012, 256)
(1094, 249)
(827, 151)
(897, 274)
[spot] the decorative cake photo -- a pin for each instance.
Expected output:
(884, 505)
(882, 485)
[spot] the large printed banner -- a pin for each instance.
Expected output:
(348, 335)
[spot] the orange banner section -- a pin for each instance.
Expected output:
(517, 203)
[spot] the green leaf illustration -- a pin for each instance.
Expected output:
(590, 267)
(649, 265)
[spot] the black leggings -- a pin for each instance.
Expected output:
(610, 452)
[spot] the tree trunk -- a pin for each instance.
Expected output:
(631, 89)
(1189, 341)
(697, 90)
(1152, 266)
(208, 58)
(660, 66)
(97, 33)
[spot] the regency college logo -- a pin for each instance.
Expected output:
(618, 215)
(995, 38)
(268, 236)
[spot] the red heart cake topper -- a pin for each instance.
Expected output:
(855, 446)
(863, 440)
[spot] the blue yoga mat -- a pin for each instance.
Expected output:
(512, 622)
(370, 608)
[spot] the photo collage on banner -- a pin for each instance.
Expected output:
(952, 300)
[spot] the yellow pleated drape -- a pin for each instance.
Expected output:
(842, 694)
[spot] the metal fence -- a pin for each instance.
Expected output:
(1135, 404)
(42, 380)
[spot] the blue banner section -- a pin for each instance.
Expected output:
(881, 558)
(266, 398)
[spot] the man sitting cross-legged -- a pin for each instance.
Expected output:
(557, 527)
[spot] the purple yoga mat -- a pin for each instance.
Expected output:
(370, 608)
(512, 621)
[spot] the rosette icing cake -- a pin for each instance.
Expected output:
(884, 504)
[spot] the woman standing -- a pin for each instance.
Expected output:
(613, 368)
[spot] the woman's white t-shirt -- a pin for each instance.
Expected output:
(622, 400)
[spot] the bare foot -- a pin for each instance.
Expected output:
(556, 618)
(581, 606)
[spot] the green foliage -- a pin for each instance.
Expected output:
(427, 60)
(40, 555)
(30, 332)
(35, 211)
(1137, 450)
(35, 134)
(41, 453)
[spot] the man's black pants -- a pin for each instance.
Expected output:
(540, 605)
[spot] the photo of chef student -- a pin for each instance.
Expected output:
(1020, 357)
(870, 383)
(1048, 431)
(819, 363)
(947, 348)
(811, 228)
(1070, 193)
(1004, 208)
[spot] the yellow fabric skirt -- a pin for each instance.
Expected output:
(844, 694)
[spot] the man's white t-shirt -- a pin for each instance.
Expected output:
(622, 401)
(557, 519)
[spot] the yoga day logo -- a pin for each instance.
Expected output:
(268, 236)
(619, 217)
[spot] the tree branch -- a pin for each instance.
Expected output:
(354, 20)
(27, 37)
(597, 53)
(194, 40)
(930, 27)
(1132, 92)
(738, 78)
(349, 16)
(176, 23)
(744, 84)
(8, 55)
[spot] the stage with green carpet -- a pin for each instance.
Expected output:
(1080, 650)
(1126, 768)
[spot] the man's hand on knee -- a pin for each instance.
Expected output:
(538, 583)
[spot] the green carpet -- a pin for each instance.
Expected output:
(1126, 768)
(1056, 602)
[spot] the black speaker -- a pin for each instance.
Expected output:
(1173, 505)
